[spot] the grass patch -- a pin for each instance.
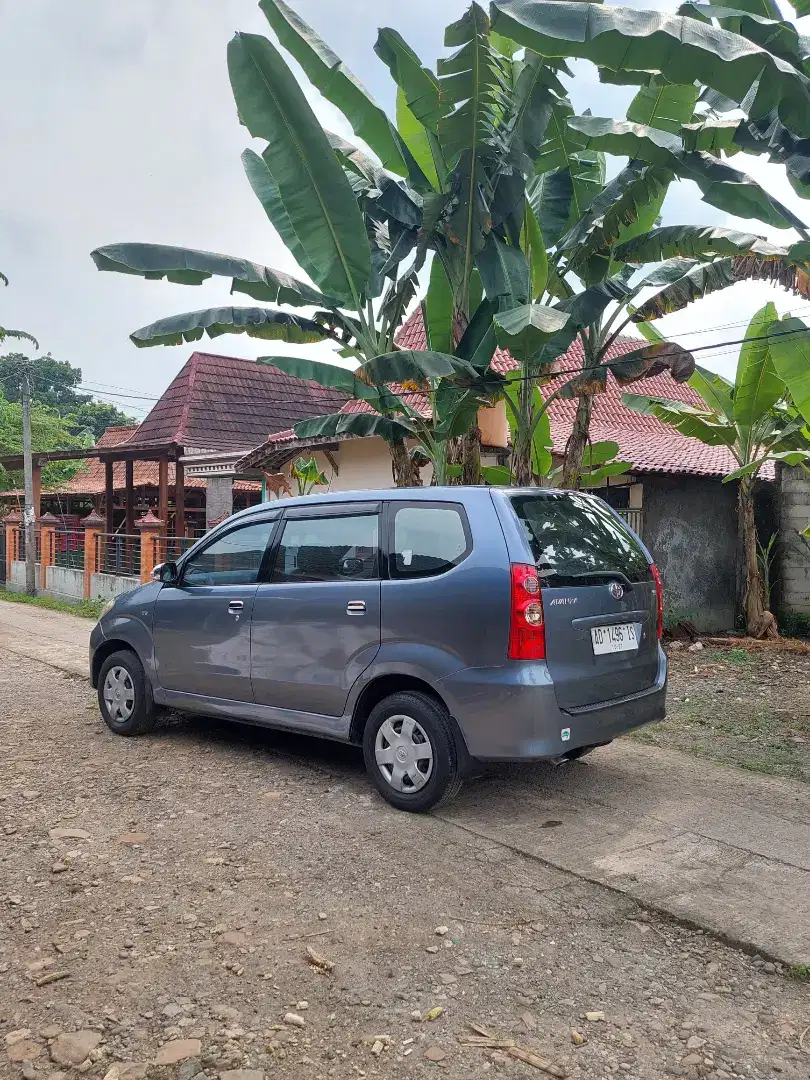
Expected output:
(800, 972)
(739, 657)
(87, 609)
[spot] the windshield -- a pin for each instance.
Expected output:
(577, 540)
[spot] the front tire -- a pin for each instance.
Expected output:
(125, 695)
(410, 752)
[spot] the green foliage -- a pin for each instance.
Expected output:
(49, 431)
(86, 609)
(307, 475)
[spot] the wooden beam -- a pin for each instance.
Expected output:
(37, 478)
(129, 495)
(180, 499)
(109, 496)
(163, 490)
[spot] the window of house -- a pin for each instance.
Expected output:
(341, 548)
(428, 540)
(233, 559)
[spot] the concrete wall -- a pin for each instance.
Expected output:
(218, 499)
(794, 517)
(16, 583)
(690, 526)
(64, 584)
(108, 586)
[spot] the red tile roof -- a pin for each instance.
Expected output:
(651, 445)
(226, 403)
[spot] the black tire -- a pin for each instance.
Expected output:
(444, 779)
(144, 714)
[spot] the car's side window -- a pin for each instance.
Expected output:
(428, 540)
(233, 559)
(340, 548)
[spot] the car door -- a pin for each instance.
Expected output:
(202, 624)
(316, 621)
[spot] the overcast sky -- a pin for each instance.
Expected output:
(119, 125)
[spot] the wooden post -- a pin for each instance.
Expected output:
(93, 525)
(47, 534)
(109, 497)
(163, 490)
(150, 529)
(37, 480)
(129, 492)
(179, 499)
(11, 522)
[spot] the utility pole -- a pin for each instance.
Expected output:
(28, 468)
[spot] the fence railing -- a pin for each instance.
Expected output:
(170, 548)
(66, 549)
(634, 518)
(117, 553)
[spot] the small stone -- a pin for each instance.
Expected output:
(29, 1072)
(24, 1050)
(234, 937)
(293, 1019)
(692, 1059)
(242, 1074)
(68, 834)
(132, 1070)
(17, 1035)
(178, 1050)
(697, 647)
(322, 916)
(577, 1038)
(172, 1009)
(447, 979)
(435, 1053)
(133, 838)
(595, 1017)
(302, 1006)
(50, 1031)
(695, 1043)
(59, 868)
(518, 961)
(377, 1048)
(30, 795)
(769, 968)
(74, 1047)
(416, 1015)
(432, 949)
(442, 930)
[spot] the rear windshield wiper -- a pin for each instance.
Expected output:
(607, 575)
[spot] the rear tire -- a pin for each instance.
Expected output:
(410, 752)
(125, 695)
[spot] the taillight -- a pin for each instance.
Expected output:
(527, 631)
(659, 589)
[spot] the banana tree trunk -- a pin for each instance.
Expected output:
(403, 467)
(471, 456)
(577, 444)
(522, 464)
(758, 620)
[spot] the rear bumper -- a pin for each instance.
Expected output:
(511, 713)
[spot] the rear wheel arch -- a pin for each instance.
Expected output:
(377, 690)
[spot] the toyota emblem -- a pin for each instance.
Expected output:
(616, 591)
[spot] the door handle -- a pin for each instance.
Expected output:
(356, 607)
(235, 605)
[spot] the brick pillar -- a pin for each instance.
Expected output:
(47, 533)
(93, 526)
(150, 528)
(12, 522)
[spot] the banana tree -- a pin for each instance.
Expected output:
(757, 419)
(18, 334)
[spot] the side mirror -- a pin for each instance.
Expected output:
(165, 572)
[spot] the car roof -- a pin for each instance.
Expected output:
(460, 494)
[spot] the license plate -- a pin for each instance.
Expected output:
(612, 639)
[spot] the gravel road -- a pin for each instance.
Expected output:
(158, 897)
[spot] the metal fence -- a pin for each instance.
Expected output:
(170, 548)
(118, 553)
(68, 549)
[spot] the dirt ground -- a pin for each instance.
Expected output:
(750, 709)
(158, 897)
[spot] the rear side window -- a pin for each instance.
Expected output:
(428, 540)
(575, 539)
(341, 548)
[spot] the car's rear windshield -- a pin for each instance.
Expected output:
(577, 540)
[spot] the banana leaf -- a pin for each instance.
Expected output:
(682, 49)
(359, 425)
(504, 272)
(664, 105)
(423, 144)
(407, 365)
(564, 148)
(757, 386)
(331, 376)
(652, 360)
(437, 310)
(186, 266)
(592, 478)
(420, 86)
(722, 186)
(315, 193)
(774, 35)
(329, 74)
(694, 242)
(791, 458)
(788, 345)
(715, 390)
(689, 421)
(550, 194)
(699, 281)
(255, 322)
(478, 342)
(525, 329)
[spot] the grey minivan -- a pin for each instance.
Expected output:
(436, 627)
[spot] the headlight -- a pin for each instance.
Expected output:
(107, 608)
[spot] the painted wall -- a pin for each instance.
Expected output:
(64, 584)
(794, 517)
(16, 581)
(690, 526)
(108, 586)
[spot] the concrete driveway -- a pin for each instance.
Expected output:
(717, 847)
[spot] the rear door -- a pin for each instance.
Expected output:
(316, 621)
(599, 597)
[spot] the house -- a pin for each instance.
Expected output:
(215, 409)
(673, 495)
